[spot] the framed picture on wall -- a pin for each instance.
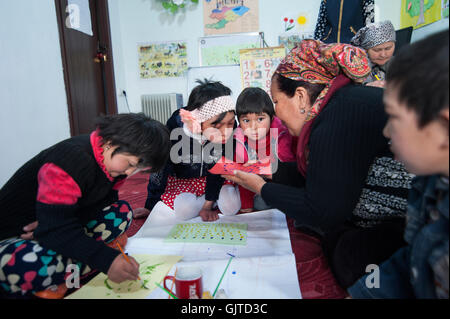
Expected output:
(224, 50)
(162, 59)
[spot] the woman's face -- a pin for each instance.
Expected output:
(381, 53)
(220, 132)
(288, 109)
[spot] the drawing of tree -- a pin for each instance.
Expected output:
(417, 8)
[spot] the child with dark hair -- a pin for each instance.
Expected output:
(417, 102)
(260, 137)
(199, 133)
(66, 201)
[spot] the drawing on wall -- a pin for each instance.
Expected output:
(445, 8)
(164, 59)
(224, 49)
(219, 233)
(152, 269)
(230, 16)
(418, 13)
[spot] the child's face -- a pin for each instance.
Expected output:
(220, 132)
(424, 151)
(120, 163)
(255, 126)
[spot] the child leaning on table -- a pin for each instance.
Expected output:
(417, 102)
(260, 136)
(66, 200)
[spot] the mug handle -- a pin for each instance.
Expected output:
(164, 282)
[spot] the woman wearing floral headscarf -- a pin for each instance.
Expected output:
(378, 39)
(345, 185)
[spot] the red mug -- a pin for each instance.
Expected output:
(188, 283)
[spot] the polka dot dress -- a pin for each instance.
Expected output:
(176, 186)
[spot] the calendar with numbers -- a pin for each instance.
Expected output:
(258, 65)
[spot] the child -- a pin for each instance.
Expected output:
(70, 192)
(201, 130)
(260, 136)
(417, 102)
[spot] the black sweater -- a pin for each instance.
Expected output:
(60, 227)
(347, 156)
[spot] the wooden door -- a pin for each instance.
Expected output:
(88, 66)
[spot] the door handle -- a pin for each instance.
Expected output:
(99, 57)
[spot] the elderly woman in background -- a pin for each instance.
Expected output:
(378, 39)
(345, 186)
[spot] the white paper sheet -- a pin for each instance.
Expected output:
(266, 261)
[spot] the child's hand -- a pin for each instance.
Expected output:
(140, 212)
(29, 229)
(209, 215)
(121, 270)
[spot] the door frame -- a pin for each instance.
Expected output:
(104, 35)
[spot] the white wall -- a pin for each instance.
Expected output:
(33, 104)
(140, 21)
(147, 21)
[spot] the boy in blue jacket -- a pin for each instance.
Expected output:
(417, 102)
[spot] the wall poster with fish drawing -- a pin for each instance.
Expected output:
(230, 16)
(162, 59)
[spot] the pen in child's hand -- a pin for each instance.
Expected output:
(128, 260)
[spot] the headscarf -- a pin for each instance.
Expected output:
(374, 34)
(334, 65)
(319, 63)
(194, 119)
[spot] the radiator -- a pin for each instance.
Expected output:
(161, 106)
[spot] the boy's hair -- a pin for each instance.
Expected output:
(137, 135)
(419, 73)
(207, 90)
(254, 100)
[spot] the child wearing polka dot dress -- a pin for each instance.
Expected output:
(201, 133)
(66, 201)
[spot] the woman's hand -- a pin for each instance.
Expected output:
(250, 181)
(121, 270)
(379, 84)
(29, 231)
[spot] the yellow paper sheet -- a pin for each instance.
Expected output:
(153, 268)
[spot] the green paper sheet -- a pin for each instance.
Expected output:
(152, 268)
(220, 233)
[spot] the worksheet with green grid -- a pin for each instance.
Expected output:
(213, 233)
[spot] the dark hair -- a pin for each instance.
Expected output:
(254, 100)
(137, 135)
(419, 72)
(207, 90)
(288, 86)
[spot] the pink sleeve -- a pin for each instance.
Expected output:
(56, 187)
(285, 153)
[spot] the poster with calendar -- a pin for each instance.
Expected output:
(258, 65)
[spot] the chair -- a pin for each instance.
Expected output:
(403, 37)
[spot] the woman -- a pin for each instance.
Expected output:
(378, 39)
(347, 187)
